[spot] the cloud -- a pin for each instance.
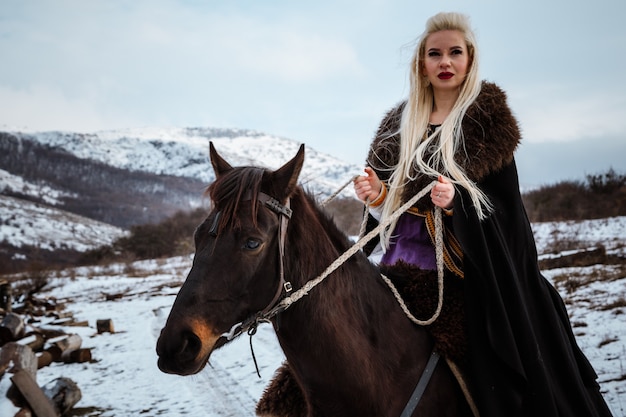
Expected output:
(274, 49)
(291, 56)
(41, 107)
(551, 162)
(551, 113)
(161, 62)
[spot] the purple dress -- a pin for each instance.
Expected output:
(411, 243)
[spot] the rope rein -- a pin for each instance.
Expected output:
(336, 193)
(360, 244)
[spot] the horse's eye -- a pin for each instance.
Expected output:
(252, 244)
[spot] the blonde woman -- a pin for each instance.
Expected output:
(522, 357)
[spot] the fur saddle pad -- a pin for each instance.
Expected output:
(419, 290)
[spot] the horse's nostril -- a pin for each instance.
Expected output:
(190, 347)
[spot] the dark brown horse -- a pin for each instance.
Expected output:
(348, 343)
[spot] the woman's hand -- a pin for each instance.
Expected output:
(367, 186)
(442, 194)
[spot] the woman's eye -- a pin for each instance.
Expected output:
(457, 52)
(433, 53)
(252, 244)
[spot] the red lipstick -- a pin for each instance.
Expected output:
(445, 75)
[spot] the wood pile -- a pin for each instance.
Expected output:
(31, 337)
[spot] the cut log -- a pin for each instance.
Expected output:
(44, 359)
(105, 325)
(15, 357)
(34, 340)
(69, 321)
(34, 395)
(62, 314)
(60, 346)
(64, 321)
(82, 323)
(77, 356)
(50, 333)
(11, 328)
(64, 394)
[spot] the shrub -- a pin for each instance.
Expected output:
(607, 183)
(602, 195)
(167, 238)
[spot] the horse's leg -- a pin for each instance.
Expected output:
(282, 397)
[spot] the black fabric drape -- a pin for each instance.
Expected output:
(524, 359)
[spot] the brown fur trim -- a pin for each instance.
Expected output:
(282, 397)
(419, 290)
(491, 135)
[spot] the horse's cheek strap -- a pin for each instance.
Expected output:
(282, 237)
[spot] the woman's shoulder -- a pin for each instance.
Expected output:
(491, 88)
(492, 112)
(491, 96)
(491, 132)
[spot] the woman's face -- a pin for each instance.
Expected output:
(446, 60)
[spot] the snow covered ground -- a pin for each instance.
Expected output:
(24, 222)
(16, 184)
(123, 379)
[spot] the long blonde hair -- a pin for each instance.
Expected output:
(415, 142)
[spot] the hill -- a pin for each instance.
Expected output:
(125, 178)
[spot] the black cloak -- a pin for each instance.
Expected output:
(523, 359)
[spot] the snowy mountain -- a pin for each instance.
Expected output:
(112, 180)
(184, 152)
(28, 223)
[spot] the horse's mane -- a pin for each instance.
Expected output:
(230, 189)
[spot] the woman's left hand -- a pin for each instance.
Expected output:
(442, 194)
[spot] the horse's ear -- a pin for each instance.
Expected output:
(219, 164)
(285, 178)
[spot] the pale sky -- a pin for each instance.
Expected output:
(320, 72)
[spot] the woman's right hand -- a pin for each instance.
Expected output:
(367, 186)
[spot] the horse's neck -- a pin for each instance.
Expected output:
(348, 305)
(348, 337)
(350, 333)
(354, 281)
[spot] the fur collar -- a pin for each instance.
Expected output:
(491, 136)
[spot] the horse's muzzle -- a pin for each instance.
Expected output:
(184, 351)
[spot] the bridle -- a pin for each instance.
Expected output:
(284, 287)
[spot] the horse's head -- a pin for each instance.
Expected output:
(236, 268)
